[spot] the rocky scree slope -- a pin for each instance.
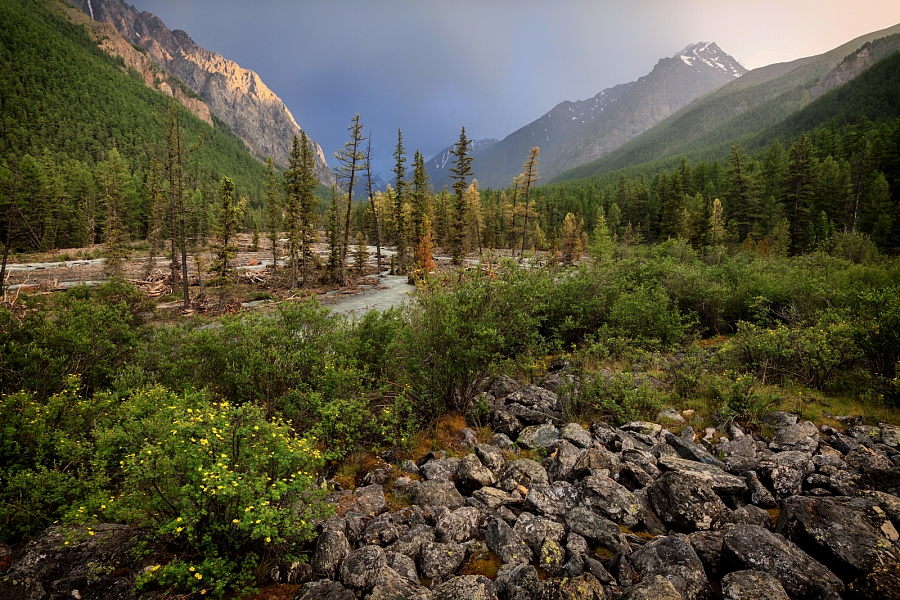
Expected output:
(235, 95)
(634, 512)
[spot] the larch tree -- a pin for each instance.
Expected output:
(529, 178)
(273, 211)
(376, 225)
(351, 160)
(460, 172)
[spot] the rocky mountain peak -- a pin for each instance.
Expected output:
(237, 96)
(709, 54)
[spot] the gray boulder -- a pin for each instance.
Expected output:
(472, 475)
(381, 531)
(441, 560)
(506, 543)
(534, 397)
(537, 436)
(563, 461)
(753, 547)
(324, 589)
(332, 548)
(503, 386)
(440, 469)
(370, 500)
(596, 529)
(525, 472)
(785, 471)
(803, 437)
(555, 499)
(491, 458)
(471, 587)
(517, 581)
(673, 558)
(534, 530)
(686, 503)
(492, 497)
(460, 525)
(551, 557)
(837, 532)
(575, 433)
(692, 451)
(390, 585)
(360, 569)
(752, 585)
(720, 481)
(402, 565)
(410, 543)
(610, 499)
(439, 493)
(506, 423)
(655, 588)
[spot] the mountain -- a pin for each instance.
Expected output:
(439, 165)
(740, 110)
(235, 95)
(575, 133)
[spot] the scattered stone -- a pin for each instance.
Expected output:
(517, 581)
(691, 451)
(785, 471)
(534, 530)
(379, 472)
(471, 587)
(780, 419)
(506, 423)
(563, 461)
(596, 529)
(575, 433)
(324, 589)
(506, 543)
(673, 558)
(332, 548)
(670, 414)
(537, 436)
(503, 386)
(803, 437)
(472, 475)
(491, 458)
(440, 469)
(439, 493)
(551, 557)
(555, 499)
(441, 560)
(360, 569)
(752, 585)
(502, 441)
(655, 588)
(837, 532)
(390, 585)
(610, 499)
(720, 481)
(458, 526)
(686, 503)
(534, 397)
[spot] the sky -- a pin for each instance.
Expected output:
(491, 66)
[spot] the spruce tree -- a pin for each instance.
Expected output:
(400, 189)
(459, 172)
(419, 201)
(308, 203)
(743, 187)
(228, 219)
(799, 183)
(115, 231)
(293, 208)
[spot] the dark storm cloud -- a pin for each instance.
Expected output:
(429, 68)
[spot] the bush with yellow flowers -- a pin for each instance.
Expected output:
(228, 486)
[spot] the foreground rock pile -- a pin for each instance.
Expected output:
(635, 512)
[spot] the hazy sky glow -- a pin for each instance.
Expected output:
(430, 67)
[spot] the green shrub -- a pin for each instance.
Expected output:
(229, 486)
(877, 333)
(646, 315)
(741, 399)
(47, 459)
(816, 355)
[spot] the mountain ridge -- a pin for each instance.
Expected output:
(236, 95)
(574, 133)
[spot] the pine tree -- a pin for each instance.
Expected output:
(115, 232)
(228, 219)
(460, 171)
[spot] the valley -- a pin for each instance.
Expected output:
(644, 346)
